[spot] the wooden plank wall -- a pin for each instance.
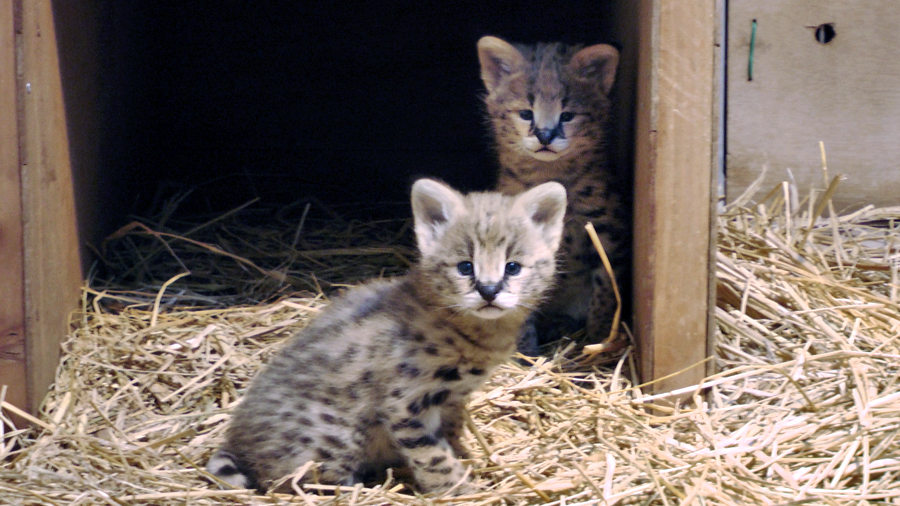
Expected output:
(674, 189)
(50, 240)
(845, 93)
(12, 290)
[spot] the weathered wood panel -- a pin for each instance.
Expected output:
(52, 260)
(12, 295)
(673, 189)
(96, 181)
(845, 93)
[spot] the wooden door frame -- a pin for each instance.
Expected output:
(674, 192)
(12, 269)
(40, 262)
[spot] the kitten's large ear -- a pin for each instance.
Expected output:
(545, 205)
(498, 59)
(434, 206)
(598, 64)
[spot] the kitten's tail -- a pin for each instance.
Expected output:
(228, 468)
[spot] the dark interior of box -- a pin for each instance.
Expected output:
(341, 102)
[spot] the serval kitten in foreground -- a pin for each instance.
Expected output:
(380, 379)
(549, 107)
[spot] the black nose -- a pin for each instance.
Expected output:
(488, 292)
(545, 135)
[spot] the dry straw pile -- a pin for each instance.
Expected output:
(805, 410)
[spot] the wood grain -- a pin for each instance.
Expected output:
(12, 295)
(50, 238)
(845, 93)
(673, 189)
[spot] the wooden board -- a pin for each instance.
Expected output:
(674, 190)
(50, 239)
(12, 309)
(95, 179)
(845, 93)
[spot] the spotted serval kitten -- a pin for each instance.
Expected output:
(549, 106)
(381, 377)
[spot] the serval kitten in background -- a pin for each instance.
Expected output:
(549, 109)
(380, 379)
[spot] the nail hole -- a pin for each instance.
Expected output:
(825, 33)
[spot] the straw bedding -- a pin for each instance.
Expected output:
(805, 408)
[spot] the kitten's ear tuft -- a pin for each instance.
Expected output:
(499, 59)
(434, 206)
(545, 205)
(598, 64)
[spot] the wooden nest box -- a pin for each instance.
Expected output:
(61, 118)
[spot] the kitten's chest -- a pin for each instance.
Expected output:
(446, 357)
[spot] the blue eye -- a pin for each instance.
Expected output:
(566, 116)
(513, 268)
(526, 115)
(465, 268)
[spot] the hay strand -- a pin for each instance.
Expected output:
(617, 315)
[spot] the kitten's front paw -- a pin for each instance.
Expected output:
(543, 332)
(464, 488)
(528, 340)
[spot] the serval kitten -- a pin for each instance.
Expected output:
(381, 377)
(549, 106)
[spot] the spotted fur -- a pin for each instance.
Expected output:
(381, 377)
(548, 106)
